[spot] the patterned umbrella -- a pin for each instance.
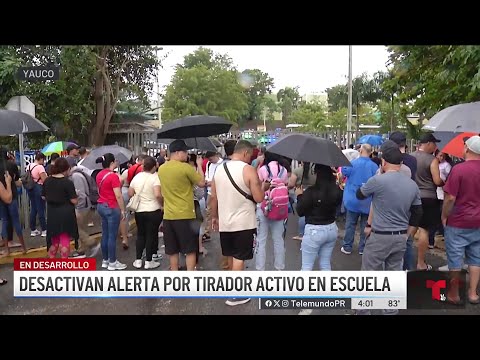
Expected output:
(56, 147)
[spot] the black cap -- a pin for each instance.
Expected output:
(177, 145)
(398, 137)
(429, 138)
(72, 147)
(391, 153)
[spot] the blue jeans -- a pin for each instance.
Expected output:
(10, 214)
(301, 225)
(37, 208)
(462, 243)
(408, 260)
(277, 229)
(318, 240)
(110, 224)
(350, 226)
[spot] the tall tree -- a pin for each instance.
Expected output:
(257, 85)
(91, 80)
(337, 97)
(289, 99)
(432, 78)
(120, 69)
(205, 84)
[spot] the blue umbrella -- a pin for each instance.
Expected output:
(374, 140)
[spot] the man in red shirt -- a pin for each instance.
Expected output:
(135, 169)
(461, 218)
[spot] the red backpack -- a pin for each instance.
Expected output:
(275, 204)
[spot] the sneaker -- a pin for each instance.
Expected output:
(91, 224)
(138, 264)
(151, 264)
(104, 264)
(35, 233)
(360, 253)
(157, 256)
(236, 301)
(77, 255)
(430, 247)
(44, 233)
(345, 251)
(160, 234)
(117, 265)
(95, 250)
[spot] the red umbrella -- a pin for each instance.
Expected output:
(455, 146)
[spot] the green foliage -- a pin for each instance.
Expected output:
(314, 115)
(288, 99)
(337, 97)
(432, 78)
(68, 105)
(260, 85)
(337, 120)
(205, 85)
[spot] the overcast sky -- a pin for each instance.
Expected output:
(312, 68)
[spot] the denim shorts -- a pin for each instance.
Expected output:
(462, 243)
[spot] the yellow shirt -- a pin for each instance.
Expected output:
(177, 179)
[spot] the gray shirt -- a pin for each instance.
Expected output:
(404, 169)
(424, 178)
(81, 187)
(393, 196)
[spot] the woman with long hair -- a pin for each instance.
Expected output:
(111, 209)
(59, 192)
(319, 206)
(149, 215)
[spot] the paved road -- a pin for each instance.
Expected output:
(10, 305)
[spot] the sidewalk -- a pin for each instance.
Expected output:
(37, 245)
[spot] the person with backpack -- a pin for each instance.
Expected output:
(87, 192)
(32, 181)
(273, 211)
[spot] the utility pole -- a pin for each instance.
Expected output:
(159, 108)
(349, 118)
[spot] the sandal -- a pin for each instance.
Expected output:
(205, 238)
(3, 281)
(125, 246)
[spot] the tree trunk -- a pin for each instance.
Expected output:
(97, 137)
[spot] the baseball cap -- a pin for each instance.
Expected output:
(398, 137)
(72, 147)
(177, 145)
(429, 138)
(473, 144)
(391, 153)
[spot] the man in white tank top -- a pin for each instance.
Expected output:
(234, 210)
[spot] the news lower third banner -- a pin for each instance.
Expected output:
(79, 278)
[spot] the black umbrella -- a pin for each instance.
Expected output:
(121, 154)
(309, 148)
(194, 126)
(203, 144)
(15, 122)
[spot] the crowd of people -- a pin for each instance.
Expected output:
(247, 194)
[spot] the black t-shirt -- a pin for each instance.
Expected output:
(58, 191)
(319, 204)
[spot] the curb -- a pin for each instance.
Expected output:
(42, 252)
